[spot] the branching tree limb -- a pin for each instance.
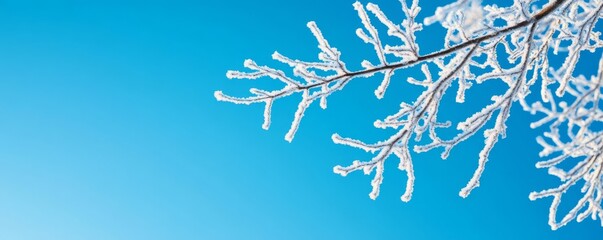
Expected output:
(532, 31)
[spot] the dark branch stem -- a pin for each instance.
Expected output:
(536, 18)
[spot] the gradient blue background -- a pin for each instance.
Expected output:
(109, 130)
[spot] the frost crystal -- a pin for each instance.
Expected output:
(516, 53)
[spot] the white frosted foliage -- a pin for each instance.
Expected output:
(475, 51)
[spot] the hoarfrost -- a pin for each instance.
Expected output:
(532, 31)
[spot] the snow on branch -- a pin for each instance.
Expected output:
(530, 33)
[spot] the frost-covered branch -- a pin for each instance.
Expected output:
(475, 50)
(585, 143)
(425, 108)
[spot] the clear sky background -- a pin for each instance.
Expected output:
(109, 130)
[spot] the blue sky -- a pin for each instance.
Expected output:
(109, 130)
